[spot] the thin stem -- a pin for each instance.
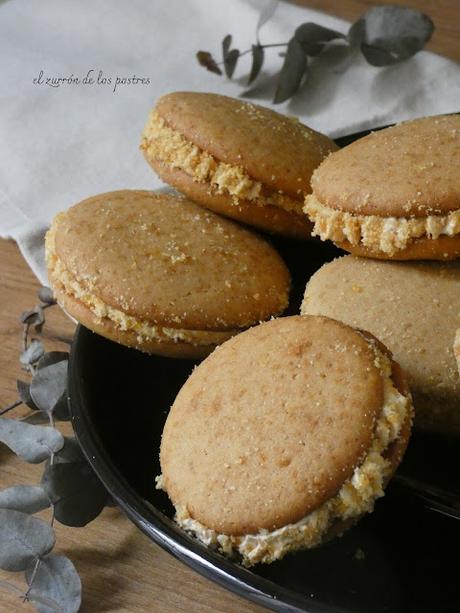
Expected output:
(10, 407)
(241, 53)
(32, 578)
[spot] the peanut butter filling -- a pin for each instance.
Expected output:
(386, 234)
(162, 143)
(145, 330)
(356, 496)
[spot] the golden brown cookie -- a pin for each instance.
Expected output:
(284, 435)
(394, 194)
(236, 158)
(159, 273)
(411, 307)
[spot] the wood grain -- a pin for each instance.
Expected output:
(121, 569)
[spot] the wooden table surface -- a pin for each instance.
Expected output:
(121, 569)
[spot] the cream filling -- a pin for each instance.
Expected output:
(168, 146)
(387, 234)
(145, 330)
(356, 496)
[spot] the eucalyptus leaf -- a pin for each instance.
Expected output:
(45, 294)
(230, 62)
(37, 418)
(32, 443)
(70, 452)
(49, 385)
(357, 33)
(26, 498)
(56, 580)
(52, 357)
(35, 316)
(22, 539)
(230, 57)
(24, 394)
(76, 492)
(257, 53)
(314, 37)
(294, 68)
(205, 59)
(390, 34)
(61, 409)
(266, 14)
(33, 353)
(226, 44)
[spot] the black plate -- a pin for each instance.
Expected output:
(402, 558)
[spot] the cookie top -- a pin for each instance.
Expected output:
(274, 149)
(413, 308)
(411, 169)
(272, 424)
(161, 258)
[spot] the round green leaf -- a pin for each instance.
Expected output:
(76, 492)
(206, 60)
(24, 394)
(25, 498)
(257, 53)
(70, 452)
(35, 316)
(46, 295)
(33, 353)
(391, 34)
(22, 539)
(56, 580)
(49, 385)
(51, 357)
(314, 37)
(294, 68)
(32, 443)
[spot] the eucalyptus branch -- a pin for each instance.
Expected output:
(246, 51)
(384, 35)
(69, 487)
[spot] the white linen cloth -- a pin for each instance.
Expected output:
(59, 145)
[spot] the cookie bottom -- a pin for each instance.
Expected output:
(441, 248)
(108, 329)
(269, 218)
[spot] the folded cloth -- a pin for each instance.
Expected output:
(63, 141)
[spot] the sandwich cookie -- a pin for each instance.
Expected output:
(394, 194)
(284, 436)
(413, 308)
(159, 273)
(236, 158)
